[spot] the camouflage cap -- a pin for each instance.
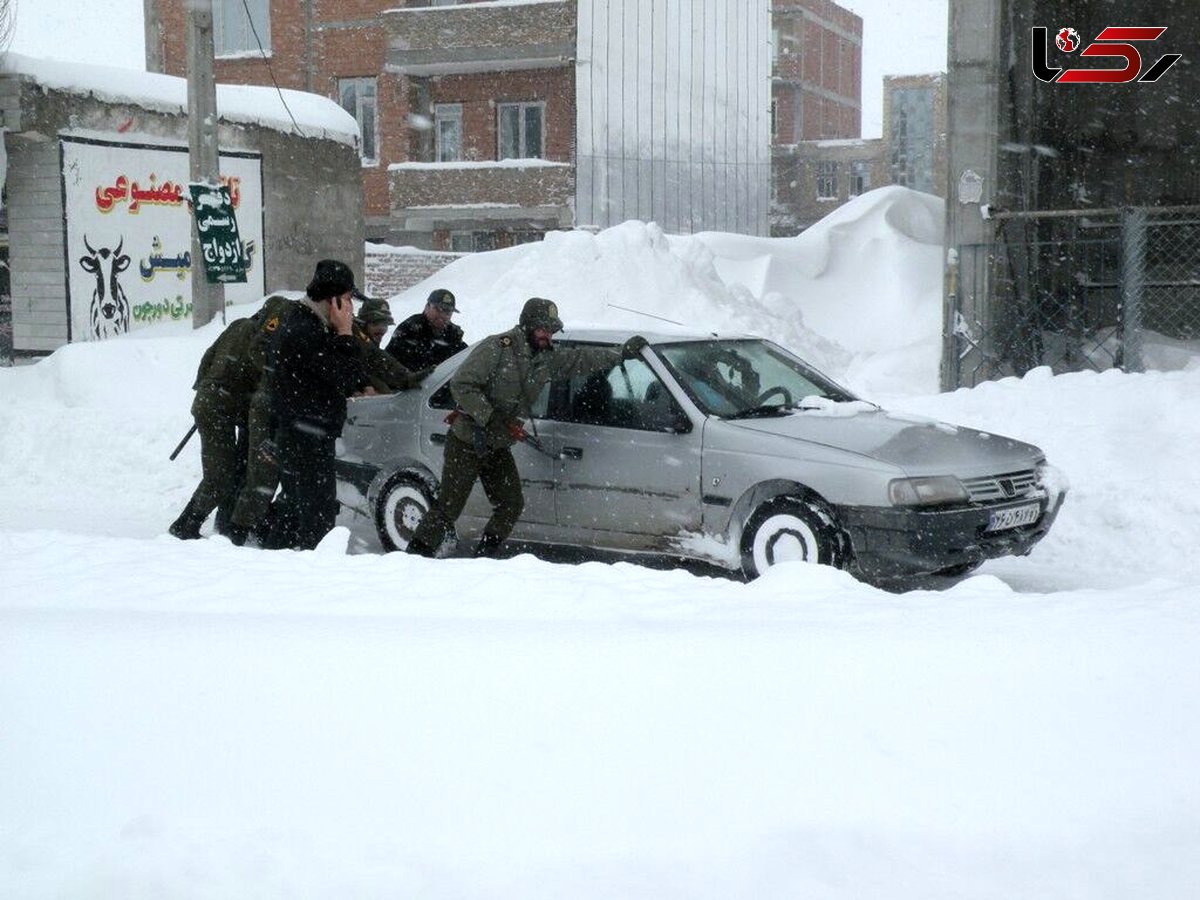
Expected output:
(539, 312)
(375, 311)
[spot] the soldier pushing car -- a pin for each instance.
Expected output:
(494, 390)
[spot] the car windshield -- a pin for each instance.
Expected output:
(745, 378)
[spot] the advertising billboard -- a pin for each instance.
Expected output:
(128, 233)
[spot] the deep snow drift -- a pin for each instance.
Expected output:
(203, 721)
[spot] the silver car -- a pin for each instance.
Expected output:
(726, 449)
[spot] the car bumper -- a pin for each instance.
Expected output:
(891, 543)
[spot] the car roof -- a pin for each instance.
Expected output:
(620, 335)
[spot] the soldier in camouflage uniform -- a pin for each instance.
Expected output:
(385, 374)
(494, 390)
(226, 379)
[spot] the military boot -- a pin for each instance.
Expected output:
(488, 546)
(420, 548)
(187, 526)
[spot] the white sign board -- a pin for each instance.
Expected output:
(129, 233)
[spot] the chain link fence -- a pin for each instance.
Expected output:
(1076, 290)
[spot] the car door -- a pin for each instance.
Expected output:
(630, 472)
(536, 469)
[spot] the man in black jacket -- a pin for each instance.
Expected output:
(426, 338)
(314, 364)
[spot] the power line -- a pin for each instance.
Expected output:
(270, 70)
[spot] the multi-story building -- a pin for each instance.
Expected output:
(486, 124)
(816, 112)
(812, 178)
(816, 72)
(914, 131)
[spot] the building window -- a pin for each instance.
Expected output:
(447, 132)
(860, 177)
(472, 241)
(521, 130)
(357, 96)
(235, 32)
(527, 237)
(827, 180)
(774, 119)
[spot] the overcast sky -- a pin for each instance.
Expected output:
(900, 37)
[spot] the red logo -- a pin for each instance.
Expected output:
(1113, 42)
(1067, 40)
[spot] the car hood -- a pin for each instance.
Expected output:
(917, 445)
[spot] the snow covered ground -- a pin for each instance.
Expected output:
(195, 720)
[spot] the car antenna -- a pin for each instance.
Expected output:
(651, 315)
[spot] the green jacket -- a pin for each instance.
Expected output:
(384, 371)
(501, 378)
(232, 366)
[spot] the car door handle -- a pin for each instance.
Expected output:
(572, 453)
(438, 437)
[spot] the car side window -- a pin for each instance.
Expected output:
(443, 399)
(629, 396)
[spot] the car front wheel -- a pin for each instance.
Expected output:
(401, 505)
(791, 529)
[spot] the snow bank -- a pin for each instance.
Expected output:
(193, 719)
(862, 282)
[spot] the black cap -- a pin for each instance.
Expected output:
(539, 312)
(443, 300)
(331, 279)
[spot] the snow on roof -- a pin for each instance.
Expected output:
(316, 116)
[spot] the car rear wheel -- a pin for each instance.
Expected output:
(401, 505)
(789, 529)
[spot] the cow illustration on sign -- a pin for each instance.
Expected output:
(110, 308)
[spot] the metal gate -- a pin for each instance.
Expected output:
(1073, 290)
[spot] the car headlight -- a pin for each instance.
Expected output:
(1052, 480)
(928, 491)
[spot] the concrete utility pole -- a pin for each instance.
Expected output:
(208, 300)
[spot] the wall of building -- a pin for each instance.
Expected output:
(817, 71)
(311, 47)
(914, 131)
(673, 114)
(297, 231)
(390, 270)
(1019, 147)
(802, 196)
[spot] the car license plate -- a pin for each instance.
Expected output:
(1014, 517)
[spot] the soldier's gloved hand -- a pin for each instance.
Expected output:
(517, 431)
(633, 347)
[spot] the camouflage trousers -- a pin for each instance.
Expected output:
(217, 424)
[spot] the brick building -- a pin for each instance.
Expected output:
(485, 124)
(812, 178)
(816, 72)
(816, 111)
